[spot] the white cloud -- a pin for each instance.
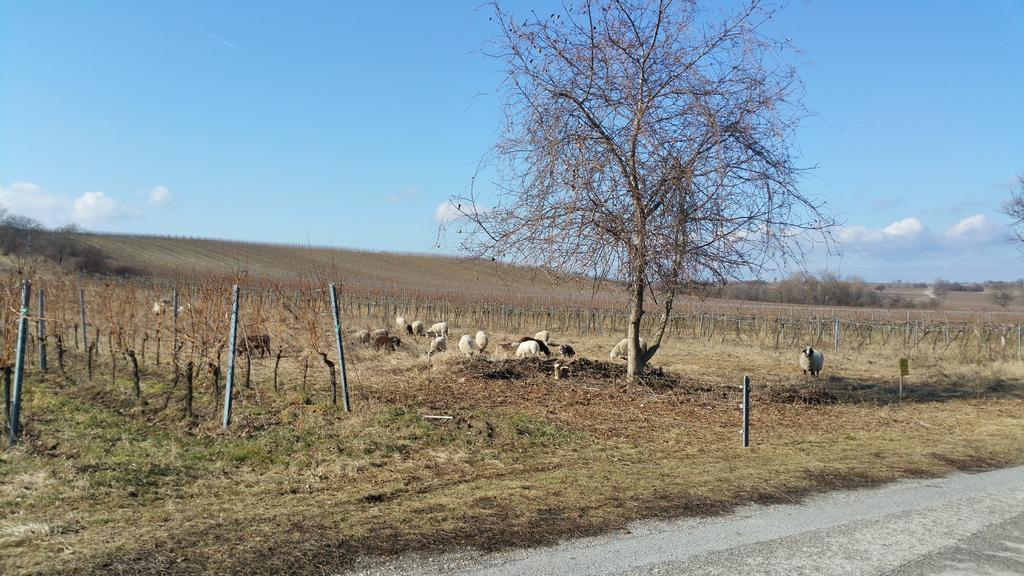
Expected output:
(903, 231)
(161, 196)
(446, 213)
(28, 199)
(402, 196)
(96, 207)
(977, 228)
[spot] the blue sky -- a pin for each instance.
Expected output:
(348, 124)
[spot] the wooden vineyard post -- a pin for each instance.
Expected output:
(85, 330)
(41, 330)
(232, 335)
(19, 364)
(340, 350)
(746, 411)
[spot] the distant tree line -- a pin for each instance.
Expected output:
(807, 289)
(66, 246)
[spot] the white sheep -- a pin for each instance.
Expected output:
(439, 329)
(812, 361)
(466, 345)
(543, 336)
(528, 348)
(417, 327)
(400, 323)
(481, 340)
(621, 350)
(158, 308)
(438, 345)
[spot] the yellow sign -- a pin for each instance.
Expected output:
(904, 367)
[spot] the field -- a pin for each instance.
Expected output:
(117, 476)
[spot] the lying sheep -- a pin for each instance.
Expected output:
(544, 336)
(812, 361)
(466, 345)
(439, 329)
(621, 350)
(566, 350)
(438, 345)
(417, 328)
(540, 344)
(481, 340)
(389, 343)
(528, 348)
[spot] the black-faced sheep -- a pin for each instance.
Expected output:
(566, 350)
(812, 361)
(389, 343)
(529, 347)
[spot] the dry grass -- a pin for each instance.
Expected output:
(105, 485)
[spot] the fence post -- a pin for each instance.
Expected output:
(19, 364)
(85, 331)
(229, 384)
(746, 411)
(1018, 341)
(835, 333)
(174, 328)
(41, 330)
(341, 350)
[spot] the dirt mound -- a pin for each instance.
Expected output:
(592, 372)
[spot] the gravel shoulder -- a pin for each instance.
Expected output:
(963, 524)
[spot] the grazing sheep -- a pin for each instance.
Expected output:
(379, 332)
(540, 344)
(812, 361)
(566, 350)
(417, 327)
(543, 336)
(438, 345)
(400, 323)
(408, 329)
(466, 345)
(362, 336)
(481, 340)
(528, 348)
(439, 329)
(389, 343)
(621, 350)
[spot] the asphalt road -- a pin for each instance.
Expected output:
(964, 524)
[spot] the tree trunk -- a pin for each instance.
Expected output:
(136, 380)
(635, 358)
(188, 388)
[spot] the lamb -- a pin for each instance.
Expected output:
(438, 345)
(566, 350)
(389, 343)
(812, 361)
(378, 332)
(417, 328)
(621, 350)
(439, 329)
(544, 336)
(466, 345)
(528, 348)
(540, 344)
(481, 340)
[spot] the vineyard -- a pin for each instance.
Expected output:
(123, 431)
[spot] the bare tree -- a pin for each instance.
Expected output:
(1014, 208)
(646, 142)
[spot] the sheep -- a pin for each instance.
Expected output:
(540, 344)
(543, 336)
(400, 323)
(438, 345)
(362, 336)
(389, 343)
(566, 350)
(812, 361)
(439, 329)
(466, 345)
(417, 328)
(481, 340)
(621, 350)
(528, 348)
(158, 308)
(379, 332)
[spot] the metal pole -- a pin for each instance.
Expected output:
(41, 330)
(231, 356)
(746, 411)
(341, 349)
(19, 363)
(174, 328)
(835, 333)
(85, 332)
